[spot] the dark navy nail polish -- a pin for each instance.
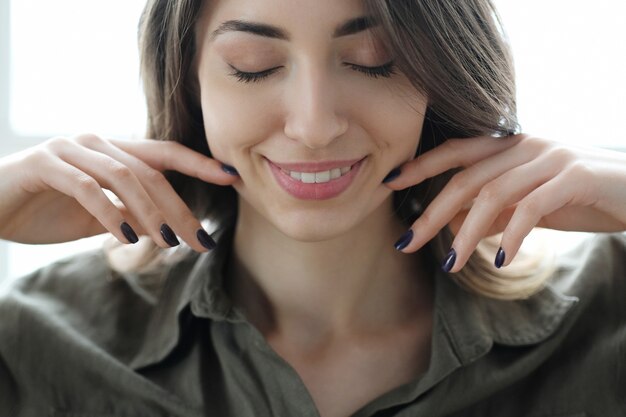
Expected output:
(129, 233)
(448, 263)
(500, 257)
(229, 170)
(168, 235)
(404, 240)
(205, 239)
(395, 173)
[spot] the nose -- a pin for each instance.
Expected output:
(312, 110)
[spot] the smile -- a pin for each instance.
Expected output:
(316, 181)
(318, 177)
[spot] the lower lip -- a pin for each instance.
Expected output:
(315, 191)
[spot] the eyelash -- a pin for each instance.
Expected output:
(386, 71)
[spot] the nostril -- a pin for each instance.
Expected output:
(317, 130)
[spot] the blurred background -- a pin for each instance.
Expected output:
(71, 66)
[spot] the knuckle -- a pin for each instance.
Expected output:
(454, 145)
(490, 193)
(459, 181)
(88, 140)
(86, 185)
(426, 219)
(534, 145)
(560, 154)
(528, 207)
(458, 149)
(579, 170)
(154, 177)
(38, 157)
(57, 144)
(120, 172)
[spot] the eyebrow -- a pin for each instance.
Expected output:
(349, 27)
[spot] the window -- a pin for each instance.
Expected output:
(570, 59)
(71, 66)
(74, 68)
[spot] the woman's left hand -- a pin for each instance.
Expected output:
(513, 184)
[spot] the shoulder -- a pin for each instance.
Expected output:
(82, 284)
(595, 274)
(596, 267)
(77, 301)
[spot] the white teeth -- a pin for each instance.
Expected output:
(323, 176)
(317, 177)
(308, 177)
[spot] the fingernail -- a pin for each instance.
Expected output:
(229, 170)
(500, 257)
(404, 240)
(129, 233)
(205, 239)
(168, 235)
(395, 173)
(448, 263)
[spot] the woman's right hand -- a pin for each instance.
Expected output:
(53, 192)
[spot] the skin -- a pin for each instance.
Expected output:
(336, 253)
(320, 279)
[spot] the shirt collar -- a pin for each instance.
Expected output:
(472, 323)
(193, 286)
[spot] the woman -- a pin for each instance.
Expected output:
(299, 129)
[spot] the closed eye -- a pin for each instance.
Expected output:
(386, 71)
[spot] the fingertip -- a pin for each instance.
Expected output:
(500, 258)
(129, 233)
(205, 239)
(404, 240)
(394, 174)
(448, 264)
(230, 170)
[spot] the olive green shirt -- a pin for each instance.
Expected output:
(78, 340)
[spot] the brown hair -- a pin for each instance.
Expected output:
(455, 52)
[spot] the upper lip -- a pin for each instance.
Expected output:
(315, 166)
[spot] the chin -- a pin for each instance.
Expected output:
(304, 227)
(311, 221)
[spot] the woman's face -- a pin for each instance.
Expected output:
(313, 111)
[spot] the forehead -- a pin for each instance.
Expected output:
(295, 18)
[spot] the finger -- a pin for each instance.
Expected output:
(454, 153)
(71, 181)
(498, 225)
(117, 177)
(460, 190)
(174, 210)
(546, 199)
(493, 198)
(173, 156)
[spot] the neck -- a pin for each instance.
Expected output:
(356, 282)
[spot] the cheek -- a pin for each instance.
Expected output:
(396, 121)
(232, 122)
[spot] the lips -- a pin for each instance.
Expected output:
(316, 180)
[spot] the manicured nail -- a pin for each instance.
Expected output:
(205, 239)
(395, 173)
(500, 257)
(168, 235)
(129, 233)
(230, 170)
(448, 263)
(404, 240)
